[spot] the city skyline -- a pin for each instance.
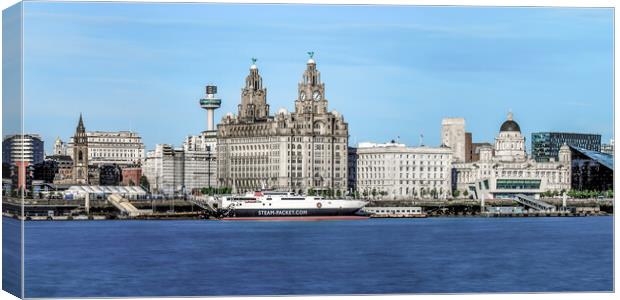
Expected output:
(552, 67)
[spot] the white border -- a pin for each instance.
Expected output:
(560, 3)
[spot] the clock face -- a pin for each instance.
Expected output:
(302, 96)
(316, 95)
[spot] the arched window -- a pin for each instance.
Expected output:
(80, 156)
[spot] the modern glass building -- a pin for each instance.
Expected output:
(591, 170)
(546, 145)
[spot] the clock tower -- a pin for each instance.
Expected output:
(311, 91)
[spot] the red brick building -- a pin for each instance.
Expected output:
(131, 176)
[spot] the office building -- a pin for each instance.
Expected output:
(26, 148)
(591, 170)
(393, 171)
(453, 135)
(112, 147)
(200, 161)
(163, 168)
(546, 145)
(608, 148)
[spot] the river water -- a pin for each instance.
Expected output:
(432, 255)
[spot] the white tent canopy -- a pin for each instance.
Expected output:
(82, 190)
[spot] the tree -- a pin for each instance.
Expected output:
(311, 192)
(456, 193)
(144, 183)
(338, 194)
(465, 193)
(374, 192)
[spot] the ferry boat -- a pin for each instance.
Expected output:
(273, 205)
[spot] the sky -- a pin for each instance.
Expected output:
(392, 71)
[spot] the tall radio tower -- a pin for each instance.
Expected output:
(210, 103)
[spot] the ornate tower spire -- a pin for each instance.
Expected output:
(311, 90)
(253, 97)
(80, 154)
(80, 127)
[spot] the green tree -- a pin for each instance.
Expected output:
(144, 183)
(456, 193)
(338, 193)
(374, 192)
(466, 193)
(311, 192)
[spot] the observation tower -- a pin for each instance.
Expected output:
(210, 103)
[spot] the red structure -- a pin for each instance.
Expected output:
(21, 168)
(131, 176)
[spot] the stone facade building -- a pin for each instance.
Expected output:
(60, 147)
(394, 171)
(297, 151)
(113, 147)
(507, 170)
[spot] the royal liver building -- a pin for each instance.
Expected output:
(298, 151)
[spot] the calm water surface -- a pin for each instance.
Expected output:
(434, 255)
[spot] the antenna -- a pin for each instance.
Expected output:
(421, 139)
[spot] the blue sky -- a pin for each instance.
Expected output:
(390, 70)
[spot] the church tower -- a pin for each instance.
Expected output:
(253, 105)
(311, 91)
(80, 154)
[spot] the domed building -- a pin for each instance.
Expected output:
(510, 143)
(506, 170)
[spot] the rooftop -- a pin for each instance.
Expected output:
(604, 159)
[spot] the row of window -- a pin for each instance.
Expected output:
(402, 182)
(413, 176)
(363, 162)
(405, 156)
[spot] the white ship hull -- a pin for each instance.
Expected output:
(285, 205)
